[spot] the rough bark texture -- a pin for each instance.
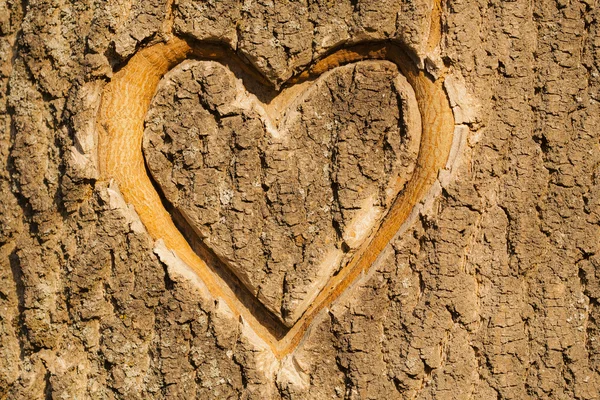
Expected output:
(282, 206)
(492, 292)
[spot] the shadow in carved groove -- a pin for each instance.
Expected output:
(220, 268)
(125, 102)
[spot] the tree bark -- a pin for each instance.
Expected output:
(471, 153)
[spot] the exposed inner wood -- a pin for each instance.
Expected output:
(121, 125)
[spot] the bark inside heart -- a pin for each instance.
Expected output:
(283, 187)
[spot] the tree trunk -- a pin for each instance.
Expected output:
(354, 199)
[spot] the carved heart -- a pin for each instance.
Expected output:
(284, 200)
(126, 100)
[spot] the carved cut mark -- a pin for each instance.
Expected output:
(121, 125)
(283, 199)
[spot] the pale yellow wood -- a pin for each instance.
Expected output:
(124, 105)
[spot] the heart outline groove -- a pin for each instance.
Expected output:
(120, 125)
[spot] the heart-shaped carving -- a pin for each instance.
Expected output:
(285, 197)
(126, 100)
